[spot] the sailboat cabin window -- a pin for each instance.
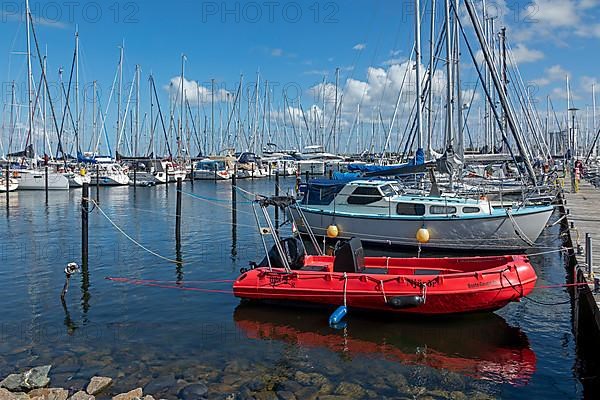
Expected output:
(365, 195)
(410, 209)
(442, 210)
(471, 210)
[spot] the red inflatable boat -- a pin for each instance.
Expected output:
(399, 285)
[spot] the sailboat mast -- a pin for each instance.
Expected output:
(430, 97)
(449, 87)
(119, 96)
(137, 109)
(212, 116)
(29, 76)
(180, 135)
(594, 114)
(77, 146)
(418, 73)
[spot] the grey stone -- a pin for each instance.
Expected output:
(265, 396)
(6, 395)
(307, 393)
(256, 385)
(131, 395)
(350, 390)
(81, 395)
(310, 378)
(98, 384)
(283, 395)
(193, 391)
(49, 394)
(288, 386)
(35, 378)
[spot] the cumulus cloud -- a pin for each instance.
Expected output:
(195, 92)
(359, 46)
(522, 54)
(551, 74)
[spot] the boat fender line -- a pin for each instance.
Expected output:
(338, 315)
(383, 291)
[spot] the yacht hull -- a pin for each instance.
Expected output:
(508, 232)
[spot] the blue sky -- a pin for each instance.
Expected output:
(293, 44)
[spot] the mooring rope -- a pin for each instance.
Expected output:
(178, 286)
(141, 246)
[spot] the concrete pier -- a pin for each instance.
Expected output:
(582, 210)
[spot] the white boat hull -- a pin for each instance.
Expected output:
(36, 180)
(110, 180)
(480, 233)
(12, 185)
(312, 167)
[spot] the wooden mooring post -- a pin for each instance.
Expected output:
(85, 212)
(233, 188)
(7, 178)
(192, 178)
(46, 182)
(135, 167)
(277, 194)
(178, 212)
(97, 183)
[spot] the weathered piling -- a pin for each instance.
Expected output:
(270, 170)
(277, 194)
(178, 211)
(233, 188)
(167, 178)
(307, 176)
(85, 208)
(192, 178)
(234, 212)
(97, 183)
(7, 178)
(135, 176)
(46, 182)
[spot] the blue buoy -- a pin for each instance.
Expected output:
(338, 315)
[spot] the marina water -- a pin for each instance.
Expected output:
(161, 335)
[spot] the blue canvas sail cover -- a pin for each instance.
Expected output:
(419, 159)
(83, 159)
(320, 191)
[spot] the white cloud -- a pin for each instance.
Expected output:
(554, 73)
(276, 52)
(552, 13)
(586, 83)
(393, 61)
(522, 54)
(359, 46)
(195, 92)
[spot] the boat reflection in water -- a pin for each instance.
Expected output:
(481, 346)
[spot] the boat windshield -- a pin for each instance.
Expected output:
(388, 190)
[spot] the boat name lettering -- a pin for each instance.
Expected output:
(276, 280)
(478, 284)
(417, 283)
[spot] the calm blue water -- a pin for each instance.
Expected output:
(161, 338)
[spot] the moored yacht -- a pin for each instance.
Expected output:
(379, 212)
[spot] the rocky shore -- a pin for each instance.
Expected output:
(230, 384)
